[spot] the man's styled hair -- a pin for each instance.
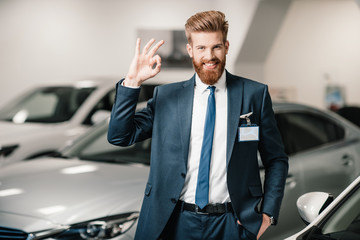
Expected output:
(209, 21)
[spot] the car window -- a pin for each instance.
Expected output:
(94, 146)
(105, 103)
(102, 150)
(344, 223)
(302, 131)
(46, 105)
(351, 113)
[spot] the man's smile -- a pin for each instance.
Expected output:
(210, 65)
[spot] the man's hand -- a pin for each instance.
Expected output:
(142, 65)
(265, 224)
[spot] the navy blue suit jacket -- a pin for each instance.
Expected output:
(167, 120)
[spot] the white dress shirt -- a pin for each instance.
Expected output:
(218, 191)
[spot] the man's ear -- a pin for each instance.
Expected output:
(227, 44)
(189, 50)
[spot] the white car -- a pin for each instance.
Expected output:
(48, 117)
(338, 220)
(91, 190)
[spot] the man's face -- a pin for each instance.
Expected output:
(208, 52)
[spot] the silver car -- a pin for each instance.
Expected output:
(93, 190)
(324, 155)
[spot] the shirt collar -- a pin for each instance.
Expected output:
(220, 85)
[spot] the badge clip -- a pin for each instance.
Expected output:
(247, 118)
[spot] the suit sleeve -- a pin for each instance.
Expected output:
(127, 126)
(274, 159)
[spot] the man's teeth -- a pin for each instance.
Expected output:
(209, 64)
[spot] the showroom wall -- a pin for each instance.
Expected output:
(317, 42)
(318, 45)
(67, 40)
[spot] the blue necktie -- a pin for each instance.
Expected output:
(202, 188)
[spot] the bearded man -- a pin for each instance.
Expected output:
(204, 180)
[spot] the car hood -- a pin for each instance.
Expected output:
(67, 191)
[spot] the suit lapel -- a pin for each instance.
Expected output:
(185, 107)
(235, 89)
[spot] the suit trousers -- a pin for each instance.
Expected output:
(194, 226)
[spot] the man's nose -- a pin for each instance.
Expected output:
(209, 54)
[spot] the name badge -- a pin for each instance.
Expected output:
(248, 133)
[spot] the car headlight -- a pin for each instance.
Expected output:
(104, 228)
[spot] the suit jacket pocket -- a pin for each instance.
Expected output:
(148, 189)
(255, 191)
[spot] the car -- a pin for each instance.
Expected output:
(324, 155)
(92, 182)
(330, 219)
(48, 116)
(89, 190)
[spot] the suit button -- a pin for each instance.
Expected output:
(183, 175)
(173, 200)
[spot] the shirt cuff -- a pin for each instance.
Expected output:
(122, 84)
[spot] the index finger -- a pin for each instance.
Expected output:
(156, 47)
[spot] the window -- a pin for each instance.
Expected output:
(46, 105)
(94, 146)
(106, 103)
(302, 131)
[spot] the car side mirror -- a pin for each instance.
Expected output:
(99, 115)
(310, 205)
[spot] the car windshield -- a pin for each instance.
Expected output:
(94, 146)
(46, 105)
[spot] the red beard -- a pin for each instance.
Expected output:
(209, 76)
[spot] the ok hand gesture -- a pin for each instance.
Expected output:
(142, 65)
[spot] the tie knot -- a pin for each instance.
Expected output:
(212, 89)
